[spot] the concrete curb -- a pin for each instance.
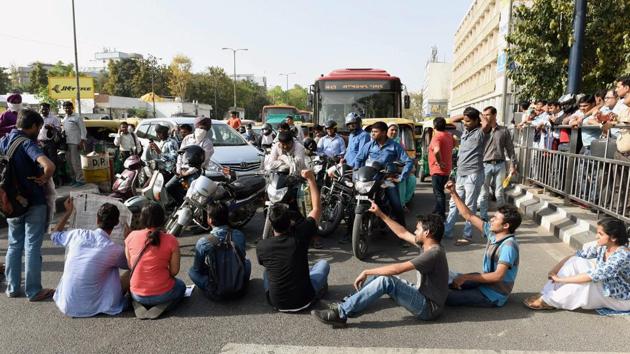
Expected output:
(572, 225)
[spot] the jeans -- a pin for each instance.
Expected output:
(398, 214)
(468, 188)
(319, 278)
(174, 295)
(198, 273)
(493, 173)
(26, 234)
(402, 292)
(438, 182)
(587, 171)
(74, 158)
(175, 189)
(468, 295)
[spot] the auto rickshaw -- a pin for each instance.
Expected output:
(424, 141)
(406, 129)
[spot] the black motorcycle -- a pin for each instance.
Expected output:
(337, 199)
(370, 184)
(282, 187)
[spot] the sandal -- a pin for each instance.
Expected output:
(42, 295)
(535, 302)
(463, 242)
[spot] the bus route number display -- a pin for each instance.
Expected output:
(356, 85)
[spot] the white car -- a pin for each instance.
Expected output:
(230, 148)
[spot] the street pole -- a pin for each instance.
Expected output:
(504, 104)
(575, 57)
(152, 94)
(76, 60)
(234, 78)
(153, 67)
(286, 75)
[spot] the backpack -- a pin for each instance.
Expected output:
(226, 270)
(12, 202)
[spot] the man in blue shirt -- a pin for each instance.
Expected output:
(199, 273)
(91, 283)
(331, 145)
(500, 262)
(358, 137)
(32, 170)
(386, 152)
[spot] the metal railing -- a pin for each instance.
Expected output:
(593, 178)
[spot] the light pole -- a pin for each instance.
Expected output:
(76, 60)
(287, 77)
(153, 64)
(234, 79)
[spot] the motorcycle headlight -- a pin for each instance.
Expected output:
(348, 183)
(364, 187)
(276, 195)
(214, 167)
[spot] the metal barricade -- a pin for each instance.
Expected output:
(598, 182)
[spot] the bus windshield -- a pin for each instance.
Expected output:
(336, 105)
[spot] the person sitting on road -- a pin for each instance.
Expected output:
(576, 283)
(127, 142)
(425, 302)
(91, 283)
(287, 146)
(154, 258)
(164, 151)
(357, 138)
(218, 219)
(386, 152)
(289, 283)
(500, 263)
(331, 145)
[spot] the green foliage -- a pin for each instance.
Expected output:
(120, 81)
(295, 96)
(43, 97)
(132, 78)
(5, 81)
(252, 97)
(137, 112)
(208, 85)
(415, 110)
(180, 75)
(38, 78)
(541, 40)
(61, 69)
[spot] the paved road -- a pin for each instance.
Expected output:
(248, 325)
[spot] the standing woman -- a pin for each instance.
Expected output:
(154, 259)
(575, 282)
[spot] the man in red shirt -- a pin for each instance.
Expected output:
(234, 121)
(440, 162)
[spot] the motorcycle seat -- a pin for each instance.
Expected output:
(247, 186)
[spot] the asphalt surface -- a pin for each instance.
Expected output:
(250, 325)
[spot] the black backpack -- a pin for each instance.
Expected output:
(226, 270)
(12, 202)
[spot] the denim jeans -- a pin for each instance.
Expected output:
(493, 173)
(402, 292)
(468, 188)
(438, 182)
(26, 234)
(175, 294)
(198, 273)
(398, 214)
(589, 175)
(319, 277)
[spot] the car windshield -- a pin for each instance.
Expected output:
(223, 135)
(336, 105)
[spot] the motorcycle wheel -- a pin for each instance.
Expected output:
(245, 217)
(331, 217)
(267, 228)
(360, 229)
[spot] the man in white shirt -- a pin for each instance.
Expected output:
(622, 89)
(52, 126)
(76, 135)
(127, 142)
(287, 146)
(297, 131)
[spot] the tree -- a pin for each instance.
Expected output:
(213, 87)
(180, 75)
(120, 80)
(415, 109)
(38, 78)
(5, 81)
(295, 96)
(61, 69)
(252, 97)
(541, 40)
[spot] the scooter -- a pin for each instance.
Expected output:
(126, 182)
(155, 191)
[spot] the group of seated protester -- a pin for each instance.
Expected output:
(92, 284)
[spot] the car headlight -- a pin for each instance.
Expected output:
(276, 195)
(364, 187)
(214, 167)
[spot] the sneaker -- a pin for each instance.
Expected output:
(330, 316)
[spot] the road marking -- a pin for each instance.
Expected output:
(290, 349)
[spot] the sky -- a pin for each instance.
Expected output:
(308, 38)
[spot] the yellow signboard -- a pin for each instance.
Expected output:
(64, 88)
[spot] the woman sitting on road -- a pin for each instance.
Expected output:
(153, 256)
(576, 282)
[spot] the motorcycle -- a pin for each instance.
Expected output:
(241, 197)
(337, 198)
(370, 183)
(154, 191)
(126, 182)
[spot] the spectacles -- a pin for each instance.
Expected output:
(609, 97)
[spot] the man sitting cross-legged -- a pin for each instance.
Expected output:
(91, 283)
(500, 261)
(425, 302)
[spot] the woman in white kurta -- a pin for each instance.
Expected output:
(576, 282)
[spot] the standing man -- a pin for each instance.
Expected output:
(8, 118)
(498, 145)
(234, 121)
(52, 126)
(440, 163)
(470, 174)
(357, 138)
(127, 142)
(76, 136)
(31, 171)
(622, 89)
(425, 301)
(164, 151)
(331, 145)
(297, 132)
